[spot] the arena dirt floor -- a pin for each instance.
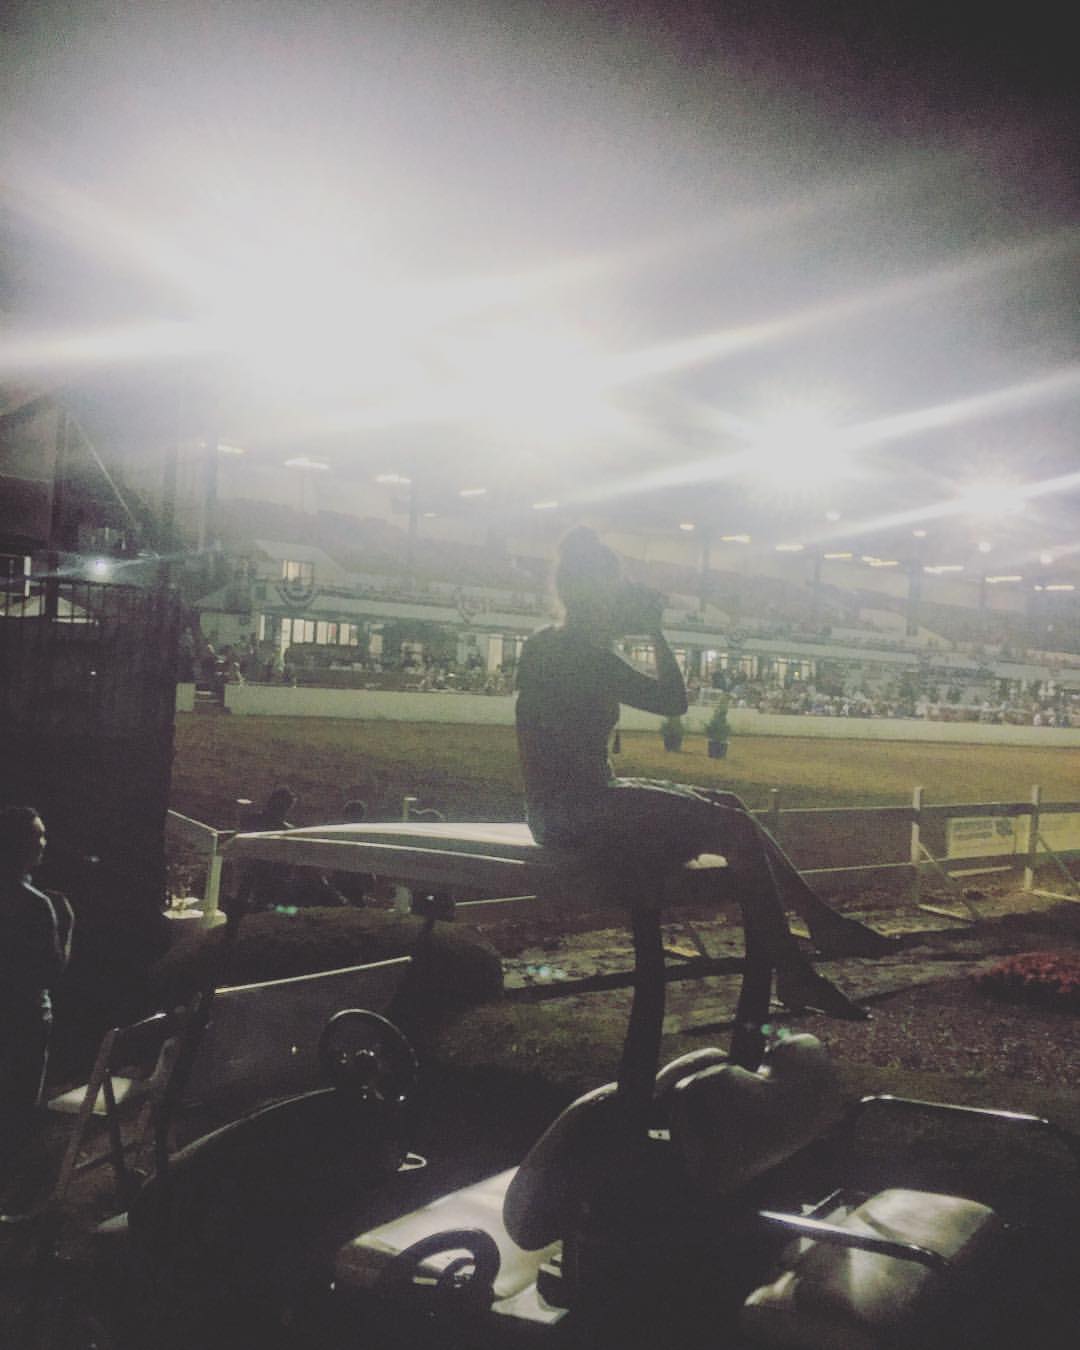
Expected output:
(927, 1014)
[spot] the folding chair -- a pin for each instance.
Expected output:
(129, 1079)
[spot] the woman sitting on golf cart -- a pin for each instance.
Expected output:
(570, 685)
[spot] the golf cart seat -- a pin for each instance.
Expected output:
(729, 1125)
(904, 1270)
(527, 1211)
(885, 1272)
(364, 1264)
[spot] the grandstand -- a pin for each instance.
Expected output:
(350, 602)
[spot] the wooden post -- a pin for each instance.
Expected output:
(916, 845)
(212, 894)
(1033, 839)
(774, 813)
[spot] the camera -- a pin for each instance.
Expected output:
(638, 608)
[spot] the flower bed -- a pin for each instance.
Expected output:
(1049, 979)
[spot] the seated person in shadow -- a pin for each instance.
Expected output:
(570, 684)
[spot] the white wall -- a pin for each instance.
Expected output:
(495, 710)
(185, 698)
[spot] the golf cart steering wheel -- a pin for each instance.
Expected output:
(366, 1056)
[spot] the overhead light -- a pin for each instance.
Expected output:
(1061, 586)
(306, 462)
(1046, 558)
(837, 556)
(224, 448)
(734, 538)
(544, 506)
(868, 557)
(430, 515)
(984, 546)
(994, 581)
(686, 525)
(393, 479)
(790, 548)
(885, 562)
(101, 567)
(944, 567)
(919, 534)
(472, 492)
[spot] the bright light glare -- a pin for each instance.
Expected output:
(734, 538)
(984, 546)
(991, 501)
(796, 449)
(1046, 558)
(939, 568)
(538, 383)
(544, 506)
(306, 462)
(994, 581)
(686, 525)
(473, 492)
(1061, 586)
(100, 567)
(790, 548)
(393, 479)
(837, 557)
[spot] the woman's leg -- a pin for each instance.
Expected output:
(833, 934)
(660, 826)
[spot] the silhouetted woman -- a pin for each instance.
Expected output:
(570, 685)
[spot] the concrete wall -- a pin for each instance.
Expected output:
(253, 700)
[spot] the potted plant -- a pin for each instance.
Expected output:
(672, 730)
(717, 731)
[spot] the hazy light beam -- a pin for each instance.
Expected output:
(705, 348)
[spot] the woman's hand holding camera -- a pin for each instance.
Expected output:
(641, 610)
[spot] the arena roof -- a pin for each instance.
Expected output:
(811, 281)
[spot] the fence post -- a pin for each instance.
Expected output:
(916, 845)
(774, 813)
(407, 804)
(1033, 839)
(213, 883)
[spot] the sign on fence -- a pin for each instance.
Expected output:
(984, 836)
(987, 836)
